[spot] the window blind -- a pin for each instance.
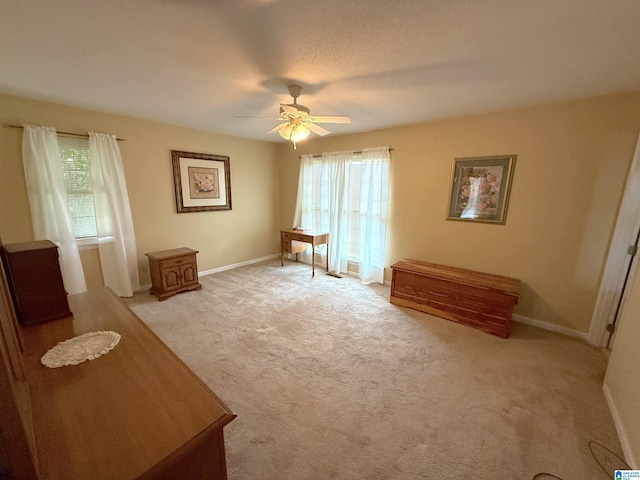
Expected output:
(76, 168)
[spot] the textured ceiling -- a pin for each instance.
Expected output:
(202, 63)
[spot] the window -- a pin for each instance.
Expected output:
(367, 205)
(347, 195)
(357, 181)
(76, 169)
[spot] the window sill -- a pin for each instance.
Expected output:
(87, 243)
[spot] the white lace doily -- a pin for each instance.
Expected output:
(80, 349)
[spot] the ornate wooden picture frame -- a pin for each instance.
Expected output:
(480, 189)
(202, 182)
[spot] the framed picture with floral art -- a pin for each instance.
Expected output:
(202, 182)
(480, 188)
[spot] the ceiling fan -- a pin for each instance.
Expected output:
(297, 121)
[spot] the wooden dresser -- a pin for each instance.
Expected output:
(35, 281)
(173, 271)
(480, 300)
(135, 412)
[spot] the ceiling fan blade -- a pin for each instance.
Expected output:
(289, 109)
(278, 127)
(317, 129)
(331, 118)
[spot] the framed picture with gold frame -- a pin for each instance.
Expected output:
(202, 182)
(480, 188)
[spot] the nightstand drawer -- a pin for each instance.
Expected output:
(176, 262)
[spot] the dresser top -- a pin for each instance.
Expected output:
(25, 246)
(174, 252)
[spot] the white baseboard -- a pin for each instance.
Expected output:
(549, 326)
(622, 434)
(204, 273)
(236, 265)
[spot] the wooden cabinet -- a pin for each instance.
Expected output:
(173, 271)
(480, 300)
(35, 281)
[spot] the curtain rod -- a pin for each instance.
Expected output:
(356, 152)
(71, 134)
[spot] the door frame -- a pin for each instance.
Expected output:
(614, 277)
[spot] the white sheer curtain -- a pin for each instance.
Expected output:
(48, 202)
(374, 205)
(347, 195)
(116, 238)
(337, 208)
(305, 175)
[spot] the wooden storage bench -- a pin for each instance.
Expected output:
(480, 300)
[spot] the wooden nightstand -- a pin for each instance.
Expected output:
(173, 271)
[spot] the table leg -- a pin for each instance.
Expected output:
(313, 261)
(327, 256)
(281, 256)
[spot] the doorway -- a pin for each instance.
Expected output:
(620, 267)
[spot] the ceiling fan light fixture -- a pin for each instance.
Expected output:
(294, 131)
(285, 132)
(300, 132)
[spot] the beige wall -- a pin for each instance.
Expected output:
(622, 381)
(572, 161)
(247, 232)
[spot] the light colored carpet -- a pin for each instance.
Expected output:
(331, 381)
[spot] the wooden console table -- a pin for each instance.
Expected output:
(480, 300)
(135, 412)
(306, 236)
